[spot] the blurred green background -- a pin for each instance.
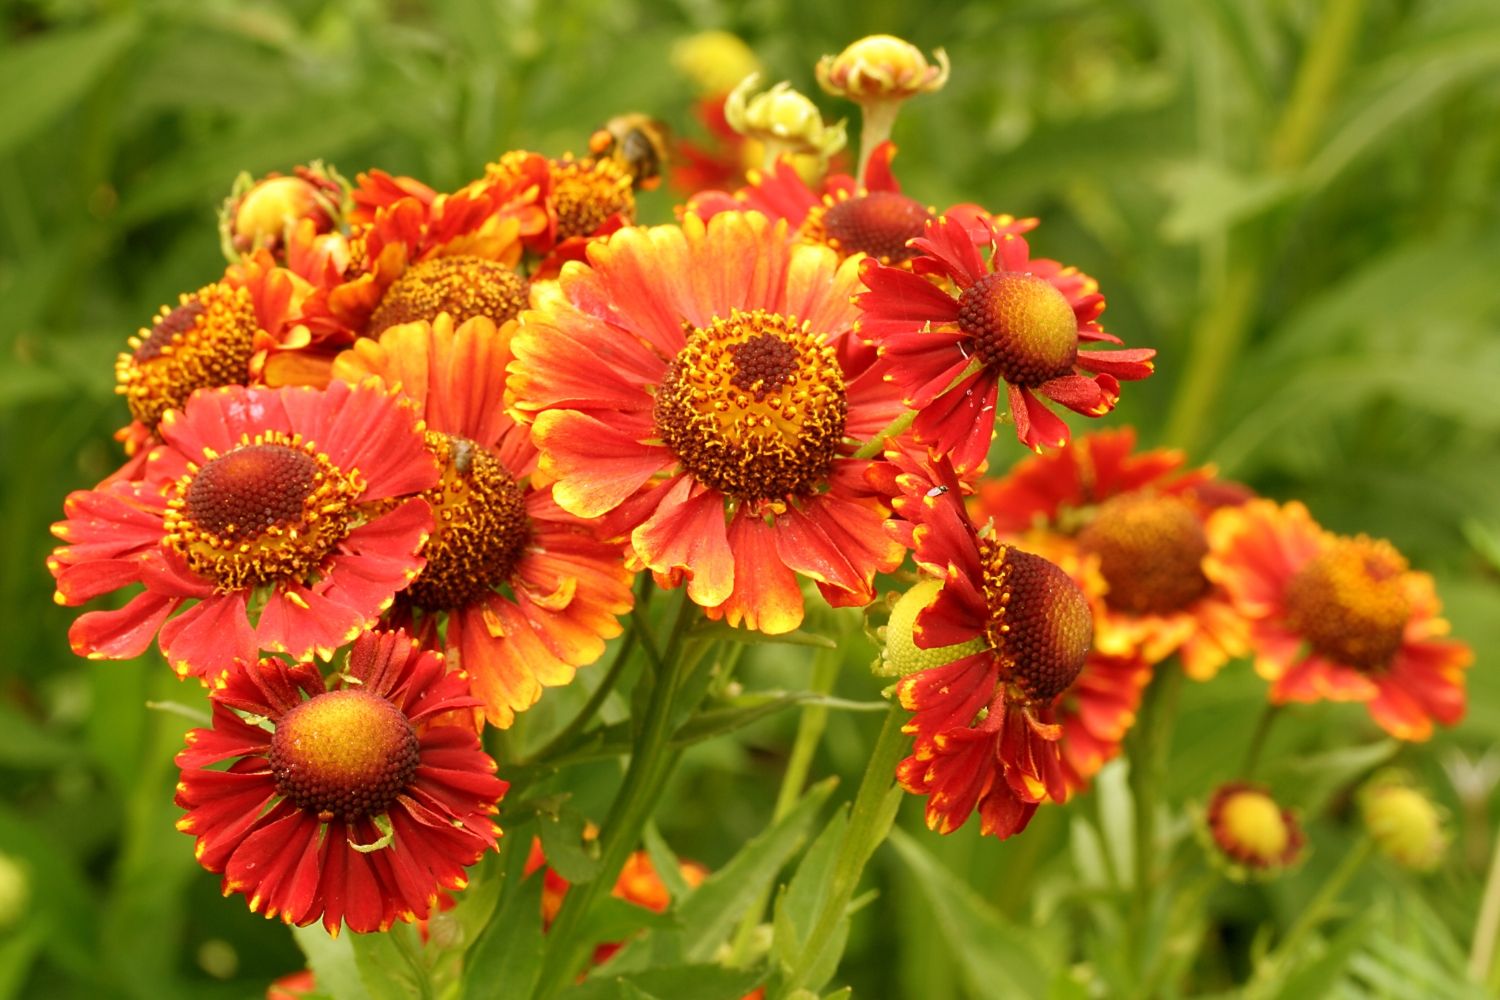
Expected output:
(1295, 202)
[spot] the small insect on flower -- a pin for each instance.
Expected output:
(639, 143)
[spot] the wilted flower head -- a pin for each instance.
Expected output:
(784, 119)
(881, 67)
(1403, 821)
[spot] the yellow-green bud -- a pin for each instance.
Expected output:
(881, 67)
(714, 60)
(1404, 822)
(15, 891)
(783, 119)
(902, 655)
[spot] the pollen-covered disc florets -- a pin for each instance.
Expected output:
(1039, 621)
(1150, 551)
(269, 509)
(481, 527)
(343, 755)
(754, 406)
(586, 192)
(879, 223)
(461, 286)
(1022, 326)
(1350, 602)
(205, 341)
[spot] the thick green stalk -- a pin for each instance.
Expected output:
(650, 763)
(865, 831)
(877, 118)
(1268, 717)
(810, 724)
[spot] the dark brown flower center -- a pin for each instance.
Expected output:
(878, 223)
(1150, 551)
(481, 526)
(206, 341)
(344, 755)
(461, 286)
(268, 510)
(754, 406)
(1022, 327)
(1040, 623)
(1350, 603)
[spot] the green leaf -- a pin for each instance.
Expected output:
(679, 982)
(1208, 198)
(997, 958)
(506, 959)
(1310, 781)
(797, 905)
(333, 962)
(24, 744)
(568, 852)
(386, 973)
(1317, 978)
(721, 630)
(45, 76)
(665, 861)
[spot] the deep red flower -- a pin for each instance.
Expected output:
(523, 591)
(1007, 319)
(356, 804)
(1338, 618)
(291, 499)
(689, 384)
(1140, 518)
(985, 727)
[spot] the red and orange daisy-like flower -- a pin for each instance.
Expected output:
(1010, 319)
(583, 199)
(422, 254)
(1095, 713)
(286, 500)
(1338, 618)
(1140, 517)
(688, 383)
(359, 805)
(527, 591)
(211, 338)
(986, 731)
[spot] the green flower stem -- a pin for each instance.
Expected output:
(596, 699)
(1148, 772)
(866, 830)
(873, 447)
(810, 724)
(877, 118)
(1316, 911)
(1487, 925)
(1268, 717)
(650, 763)
(1217, 338)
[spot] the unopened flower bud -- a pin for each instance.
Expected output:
(881, 67)
(1249, 834)
(785, 120)
(1403, 822)
(15, 891)
(901, 655)
(260, 213)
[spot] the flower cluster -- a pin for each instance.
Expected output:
(447, 431)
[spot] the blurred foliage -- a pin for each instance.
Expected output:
(1315, 257)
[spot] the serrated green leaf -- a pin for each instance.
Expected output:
(998, 959)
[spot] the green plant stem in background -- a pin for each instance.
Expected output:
(1148, 772)
(1487, 925)
(869, 823)
(810, 724)
(596, 700)
(1218, 336)
(650, 762)
(1266, 980)
(1268, 717)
